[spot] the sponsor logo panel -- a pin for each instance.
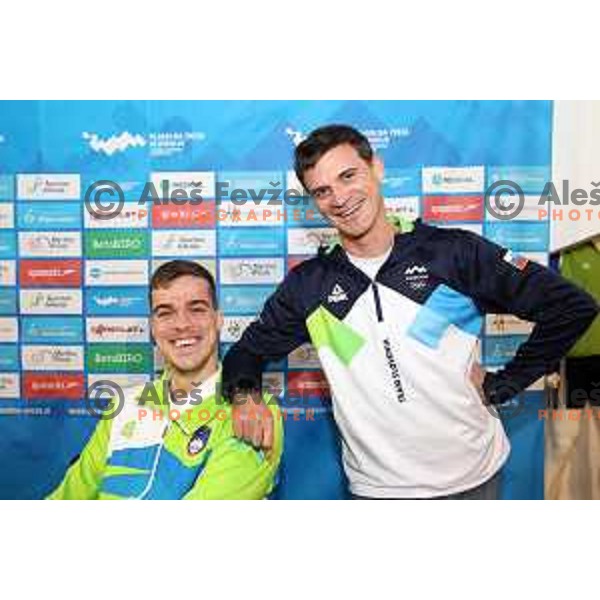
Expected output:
(116, 244)
(49, 386)
(44, 330)
(47, 244)
(117, 329)
(50, 273)
(234, 271)
(117, 301)
(52, 358)
(116, 272)
(51, 302)
(184, 243)
(453, 180)
(49, 186)
(119, 358)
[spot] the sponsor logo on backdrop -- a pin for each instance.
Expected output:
(250, 215)
(273, 383)
(46, 215)
(114, 244)
(52, 358)
(7, 215)
(6, 187)
(43, 273)
(531, 180)
(304, 357)
(203, 182)
(9, 357)
(507, 325)
(8, 272)
(9, 329)
(131, 216)
(453, 208)
(46, 244)
(236, 242)
(42, 186)
(159, 144)
(8, 244)
(186, 216)
(209, 264)
(244, 300)
(233, 327)
(498, 350)
(453, 180)
(530, 211)
(184, 243)
(251, 270)
(401, 183)
(380, 139)
(117, 329)
(521, 237)
(307, 241)
(115, 143)
(40, 302)
(117, 301)
(130, 380)
(116, 272)
(65, 386)
(119, 358)
(306, 384)
(8, 301)
(9, 385)
(407, 207)
(41, 330)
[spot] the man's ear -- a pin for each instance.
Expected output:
(219, 321)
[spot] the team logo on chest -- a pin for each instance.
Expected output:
(337, 294)
(198, 440)
(416, 276)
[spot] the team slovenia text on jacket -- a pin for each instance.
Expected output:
(397, 352)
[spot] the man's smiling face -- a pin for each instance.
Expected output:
(346, 190)
(185, 323)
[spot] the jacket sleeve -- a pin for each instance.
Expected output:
(500, 281)
(84, 476)
(280, 328)
(236, 471)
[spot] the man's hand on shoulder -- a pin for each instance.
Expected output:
(252, 420)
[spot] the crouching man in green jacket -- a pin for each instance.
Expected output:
(173, 437)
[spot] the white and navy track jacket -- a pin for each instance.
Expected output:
(397, 353)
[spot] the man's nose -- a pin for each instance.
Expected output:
(183, 321)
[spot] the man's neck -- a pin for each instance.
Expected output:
(375, 242)
(190, 380)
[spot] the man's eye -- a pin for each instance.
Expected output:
(347, 176)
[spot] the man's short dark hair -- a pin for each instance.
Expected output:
(174, 269)
(322, 140)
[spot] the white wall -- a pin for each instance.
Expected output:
(576, 157)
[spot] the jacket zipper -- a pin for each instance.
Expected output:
(387, 350)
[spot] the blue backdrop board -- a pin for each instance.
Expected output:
(73, 305)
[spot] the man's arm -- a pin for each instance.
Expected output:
(501, 282)
(279, 329)
(84, 476)
(236, 471)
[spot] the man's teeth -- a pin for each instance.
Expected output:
(186, 342)
(347, 213)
